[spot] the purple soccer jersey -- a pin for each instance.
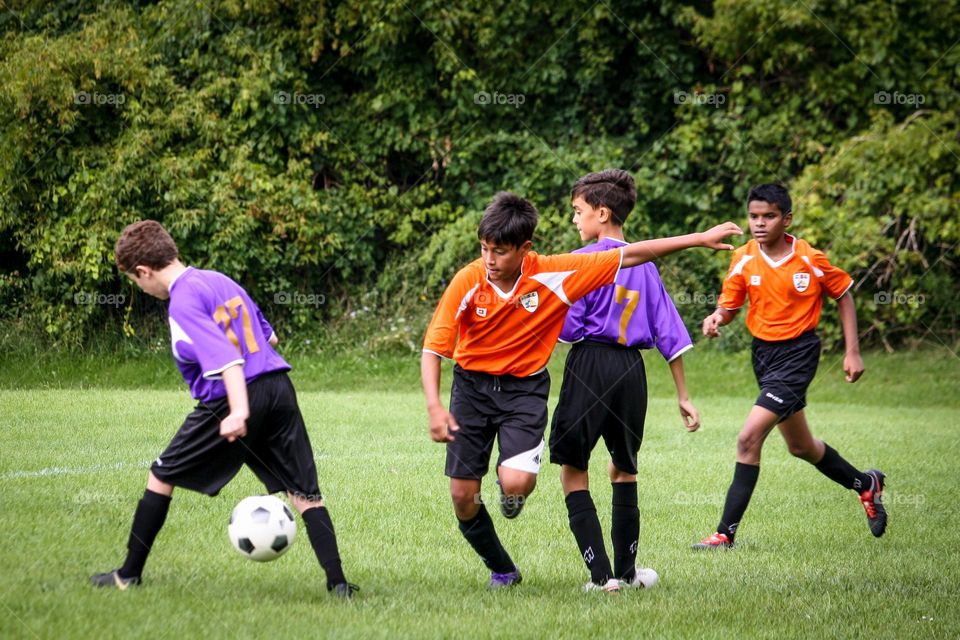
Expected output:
(635, 311)
(214, 325)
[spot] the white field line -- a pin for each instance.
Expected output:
(72, 471)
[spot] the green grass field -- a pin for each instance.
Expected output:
(74, 452)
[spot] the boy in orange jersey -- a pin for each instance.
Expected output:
(785, 279)
(499, 318)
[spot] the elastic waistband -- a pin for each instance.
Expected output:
(596, 344)
(806, 336)
(489, 376)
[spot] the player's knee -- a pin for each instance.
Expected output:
(464, 498)
(748, 442)
(156, 485)
(802, 450)
(520, 486)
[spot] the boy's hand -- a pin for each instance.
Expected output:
(711, 325)
(691, 419)
(713, 238)
(853, 366)
(442, 425)
(233, 426)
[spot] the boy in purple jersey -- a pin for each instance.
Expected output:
(247, 410)
(604, 392)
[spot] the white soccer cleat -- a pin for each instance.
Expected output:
(612, 586)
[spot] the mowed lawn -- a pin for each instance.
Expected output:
(73, 463)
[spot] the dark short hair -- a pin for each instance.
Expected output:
(508, 220)
(144, 243)
(611, 188)
(771, 193)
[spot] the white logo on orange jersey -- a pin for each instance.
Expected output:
(482, 312)
(801, 281)
(755, 281)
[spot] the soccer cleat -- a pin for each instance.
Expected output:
(611, 586)
(504, 580)
(510, 506)
(113, 579)
(344, 590)
(715, 541)
(643, 579)
(872, 501)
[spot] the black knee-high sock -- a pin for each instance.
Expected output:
(324, 543)
(842, 472)
(148, 519)
(586, 529)
(738, 497)
(625, 529)
(481, 535)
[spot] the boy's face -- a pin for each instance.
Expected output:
(589, 221)
(503, 262)
(148, 281)
(767, 223)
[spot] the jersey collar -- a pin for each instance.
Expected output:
(177, 277)
(776, 263)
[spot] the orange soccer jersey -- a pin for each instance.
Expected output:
(785, 295)
(491, 331)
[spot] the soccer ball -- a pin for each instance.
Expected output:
(262, 528)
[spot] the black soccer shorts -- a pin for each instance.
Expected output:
(276, 448)
(784, 371)
(604, 394)
(512, 410)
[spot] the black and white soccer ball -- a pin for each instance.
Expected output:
(262, 528)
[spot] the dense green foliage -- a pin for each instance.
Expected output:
(334, 156)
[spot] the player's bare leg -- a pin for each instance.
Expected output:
(477, 527)
(515, 486)
(867, 484)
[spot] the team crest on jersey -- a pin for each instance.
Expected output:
(482, 312)
(530, 301)
(755, 281)
(801, 281)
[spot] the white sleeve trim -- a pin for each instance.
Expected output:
(619, 266)
(216, 374)
(569, 341)
(680, 353)
(849, 286)
(730, 308)
(436, 354)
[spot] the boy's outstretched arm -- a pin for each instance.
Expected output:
(688, 412)
(648, 250)
(235, 424)
(442, 422)
(717, 319)
(852, 362)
